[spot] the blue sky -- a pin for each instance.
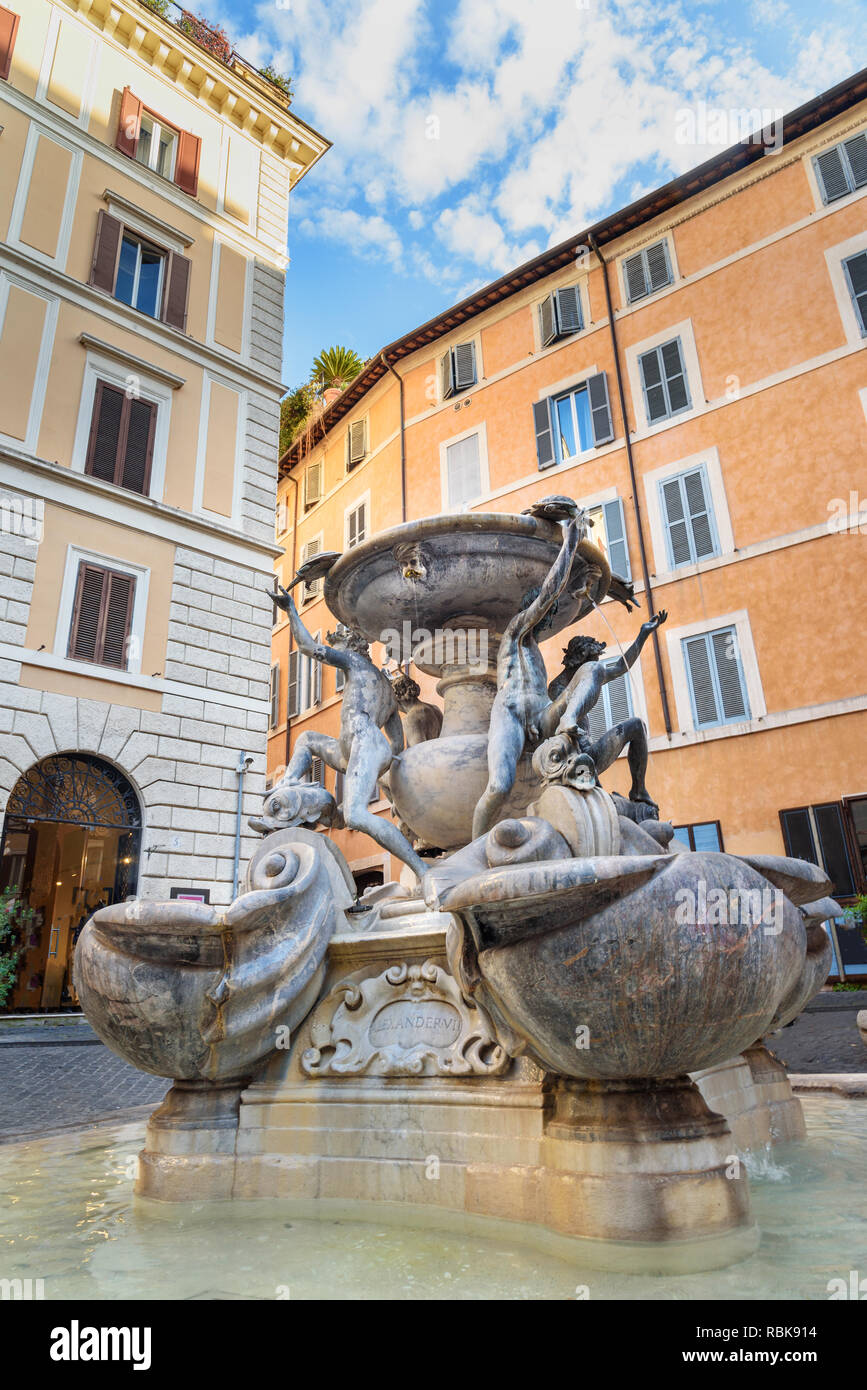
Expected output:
(469, 135)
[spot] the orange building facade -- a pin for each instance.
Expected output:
(691, 370)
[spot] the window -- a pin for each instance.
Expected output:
(293, 694)
(663, 378)
(706, 836)
(281, 517)
(687, 513)
(818, 834)
(647, 271)
(609, 528)
(569, 425)
(101, 616)
(356, 525)
(120, 449)
(158, 145)
(463, 471)
(560, 315)
(458, 369)
(274, 697)
(308, 550)
(304, 684)
(140, 274)
(8, 33)
(339, 679)
(356, 443)
(716, 680)
(856, 277)
(312, 485)
(842, 169)
(613, 707)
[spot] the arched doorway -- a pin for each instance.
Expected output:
(70, 844)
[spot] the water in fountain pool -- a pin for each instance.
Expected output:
(68, 1217)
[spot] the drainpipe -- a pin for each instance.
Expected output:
(288, 749)
(666, 715)
(244, 761)
(399, 379)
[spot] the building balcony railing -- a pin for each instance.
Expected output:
(216, 42)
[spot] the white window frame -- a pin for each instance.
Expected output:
(813, 177)
(100, 368)
(157, 126)
(694, 384)
(835, 258)
(362, 501)
(74, 556)
(719, 503)
(740, 621)
(484, 476)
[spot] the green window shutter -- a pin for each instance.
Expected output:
(615, 536)
(856, 274)
(832, 174)
(567, 303)
(636, 281)
(544, 431)
(547, 321)
(292, 690)
(600, 409)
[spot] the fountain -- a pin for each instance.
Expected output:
(556, 1022)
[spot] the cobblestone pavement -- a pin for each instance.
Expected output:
(825, 1037)
(58, 1081)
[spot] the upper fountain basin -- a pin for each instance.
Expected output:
(441, 569)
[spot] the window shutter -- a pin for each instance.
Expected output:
(86, 613)
(856, 273)
(675, 375)
(176, 291)
(568, 304)
(105, 431)
(798, 835)
(187, 162)
(657, 265)
(118, 617)
(619, 701)
(463, 474)
(636, 284)
(8, 31)
(728, 669)
(615, 536)
(292, 705)
(596, 719)
(543, 426)
(447, 380)
(832, 842)
(338, 787)
(833, 180)
(679, 549)
(600, 409)
(547, 321)
(317, 770)
(700, 516)
(356, 442)
(280, 517)
(129, 123)
(106, 249)
(356, 526)
(465, 366)
(274, 697)
(651, 380)
(316, 679)
(313, 485)
(308, 550)
(856, 149)
(704, 703)
(139, 449)
(339, 679)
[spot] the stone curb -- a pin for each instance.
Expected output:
(839, 1083)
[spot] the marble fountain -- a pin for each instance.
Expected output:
(555, 1019)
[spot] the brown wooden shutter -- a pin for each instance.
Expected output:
(105, 252)
(8, 31)
(118, 619)
(177, 291)
(187, 162)
(105, 432)
(138, 452)
(86, 613)
(129, 123)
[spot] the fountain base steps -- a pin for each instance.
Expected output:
(634, 1174)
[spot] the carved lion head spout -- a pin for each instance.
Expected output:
(560, 761)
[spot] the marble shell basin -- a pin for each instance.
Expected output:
(436, 785)
(589, 965)
(431, 572)
(195, 992)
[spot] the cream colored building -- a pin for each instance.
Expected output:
(144, 191)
